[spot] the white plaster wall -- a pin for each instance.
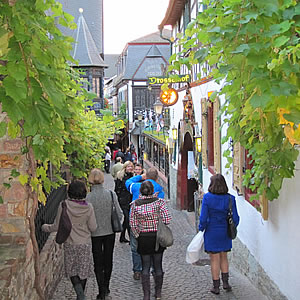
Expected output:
(274, 243)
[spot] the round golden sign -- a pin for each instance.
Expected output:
(169, 97)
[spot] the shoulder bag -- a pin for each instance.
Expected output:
(64, 225)
(164, 235)
(231, 228)
(115, 221)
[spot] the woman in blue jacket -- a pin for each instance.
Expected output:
(213, 219)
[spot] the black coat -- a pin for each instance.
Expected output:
(123, 194)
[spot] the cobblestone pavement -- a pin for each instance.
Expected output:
(182, 281)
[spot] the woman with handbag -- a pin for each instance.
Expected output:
(144, 218)
(103, 239)
(78, 259)
(124, 197)
(213, 219)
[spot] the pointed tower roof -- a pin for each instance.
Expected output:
(85, 50)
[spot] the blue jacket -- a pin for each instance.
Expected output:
(134, 183)
(213, 219)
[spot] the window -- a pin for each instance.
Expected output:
(241, 162)
(211, 134)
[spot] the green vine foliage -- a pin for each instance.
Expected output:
(42, 95)
(253, 50)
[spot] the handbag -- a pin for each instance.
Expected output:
(164, 235)
(115, 221)
(231, 228)
(64, 225)
(195, 249)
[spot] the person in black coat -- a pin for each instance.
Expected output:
(124, 196)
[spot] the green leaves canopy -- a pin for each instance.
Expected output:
(254, 47)
(41, 93)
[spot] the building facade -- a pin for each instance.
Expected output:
(264, 239)
(141, 59)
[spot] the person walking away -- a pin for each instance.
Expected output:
(127, 155)
(78, 259)
(133, 184)
(124, 197)
(116, 167)
(107, 161)
(144, 215)
(213, 219)
(136, 258)
(103, 239)
(120, 154)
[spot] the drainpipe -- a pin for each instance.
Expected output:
(165, 38)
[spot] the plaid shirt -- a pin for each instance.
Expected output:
(144, 218)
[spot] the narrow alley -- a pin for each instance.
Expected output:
(182, 281)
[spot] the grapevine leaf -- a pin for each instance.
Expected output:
(16, 89)
(2, 129)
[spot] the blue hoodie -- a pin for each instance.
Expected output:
(134, 183)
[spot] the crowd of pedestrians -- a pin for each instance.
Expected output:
(139, 201)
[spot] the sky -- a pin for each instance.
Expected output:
(127, 20)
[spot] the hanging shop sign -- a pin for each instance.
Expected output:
(162, 80)
(168, 97)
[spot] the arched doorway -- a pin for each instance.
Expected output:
(185, 198)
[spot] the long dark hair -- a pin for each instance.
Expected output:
(218, 184)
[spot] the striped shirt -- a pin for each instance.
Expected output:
(144, 218)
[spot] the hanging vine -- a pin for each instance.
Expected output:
(253, 50)
(44, 101)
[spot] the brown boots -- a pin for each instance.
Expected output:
(226, 285)
(146, 286)
(158, 279)
(158, 285)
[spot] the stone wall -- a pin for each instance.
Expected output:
(247, 265)
(16, 252)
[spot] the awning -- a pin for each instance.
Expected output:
(138, 128)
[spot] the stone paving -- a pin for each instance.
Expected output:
(182, 281)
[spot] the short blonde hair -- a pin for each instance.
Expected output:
(96, 176)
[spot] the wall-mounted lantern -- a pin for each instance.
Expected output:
(198, 140)
(174, 133)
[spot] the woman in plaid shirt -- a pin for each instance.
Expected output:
(143, 222)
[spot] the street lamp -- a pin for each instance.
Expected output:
(140, 120)
(158, 107)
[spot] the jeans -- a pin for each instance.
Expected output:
(103, 248)
(136, 258)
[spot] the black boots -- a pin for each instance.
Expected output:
(216, 287)
(146, 286)
(226, 285)
(158, 285)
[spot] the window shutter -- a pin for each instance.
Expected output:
(238, 162)
(204, 132)
(217, 137)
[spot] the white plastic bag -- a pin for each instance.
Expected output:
(195, 249)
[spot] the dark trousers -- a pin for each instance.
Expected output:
(103, 248)
(107, 166)
(125, 222)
